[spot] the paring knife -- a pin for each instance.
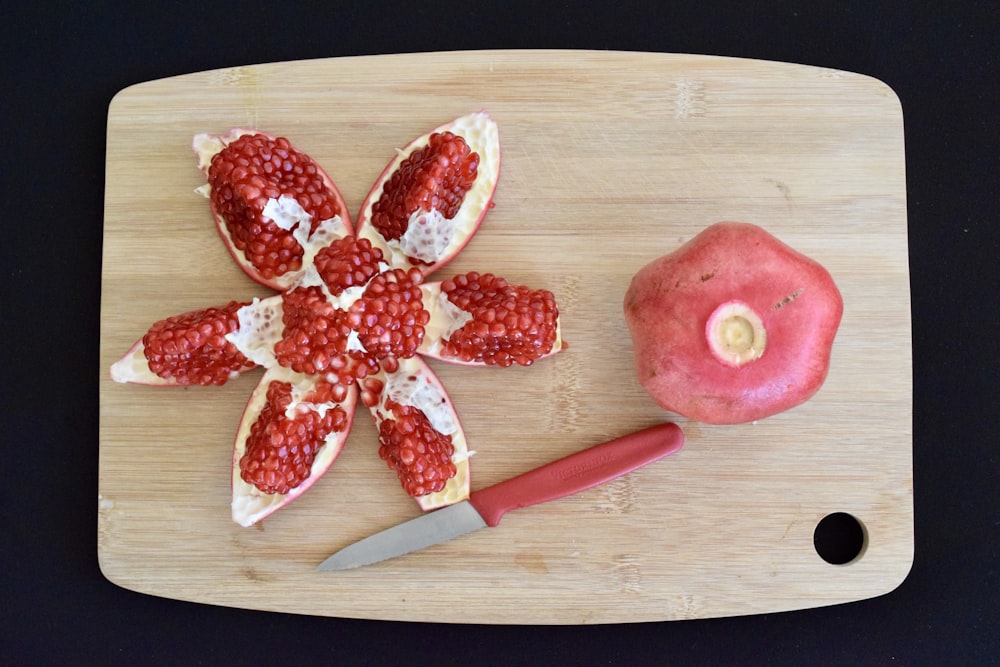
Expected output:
(577, 472)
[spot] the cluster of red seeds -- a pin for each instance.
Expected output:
(191, 348)
(511, 324)
(420, 455)
(280, 451)
(389, 319)
(347, 262)
(245, 175)
(436, 176)
(390, 316)
(314, 339)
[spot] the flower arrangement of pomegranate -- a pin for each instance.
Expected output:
(732, 327)
(353, 315)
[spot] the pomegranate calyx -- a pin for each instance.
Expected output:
(736, 333)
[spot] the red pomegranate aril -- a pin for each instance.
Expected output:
(435, 177)
(191, 348)
(315, 332)
(512, 324)
(390, 316)
(420, 455)
(245, 175)
(347, 262)
(280, 450)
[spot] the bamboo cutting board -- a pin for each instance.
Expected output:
(609, 160)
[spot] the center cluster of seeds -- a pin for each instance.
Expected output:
(436, 176)
(280, 451)
(420, 455)
(347, 262)
(192, 349)
(315, 335)
(390, 317)
(511, 324)
(245, 175)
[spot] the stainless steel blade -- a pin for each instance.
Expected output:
(432, 528)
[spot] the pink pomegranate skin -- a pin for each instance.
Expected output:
(670, 300)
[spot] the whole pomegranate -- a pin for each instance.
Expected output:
(733, 326)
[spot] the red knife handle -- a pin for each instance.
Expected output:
(577, 472)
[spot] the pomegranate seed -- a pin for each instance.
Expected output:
(190, 348)
(391, 316)
(252, 170)
(280, 451)
(347, 262)
(511, 324)
(420, 455)
(436, 176)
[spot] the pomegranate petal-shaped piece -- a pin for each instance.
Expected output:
(420, 436)
(483, 320)
(193, 348)
(293, 428)
(273, 205)
(431, 198)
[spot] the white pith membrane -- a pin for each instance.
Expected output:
(250, 504)
(446, 318)
(415, 384)
(260, 328)
(285, 211)
(736, 334)
(430, 236)
(134, 368)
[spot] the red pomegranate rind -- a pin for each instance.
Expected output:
(263, 191)
(484, 320)
(420, 436)
(672, 299)
(432, 197)
(292, 430)
(186, 349)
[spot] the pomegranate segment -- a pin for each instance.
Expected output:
(420, 436)
(293, 428)
(187, 349)
(431, 198)
(732, 327)
(274, 206)
(484, 320)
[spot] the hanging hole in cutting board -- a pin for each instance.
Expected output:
(839, 538)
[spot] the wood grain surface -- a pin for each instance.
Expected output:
(609, 160)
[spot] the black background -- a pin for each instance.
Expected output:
(61, 66)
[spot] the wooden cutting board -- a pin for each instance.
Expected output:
(610, 160)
